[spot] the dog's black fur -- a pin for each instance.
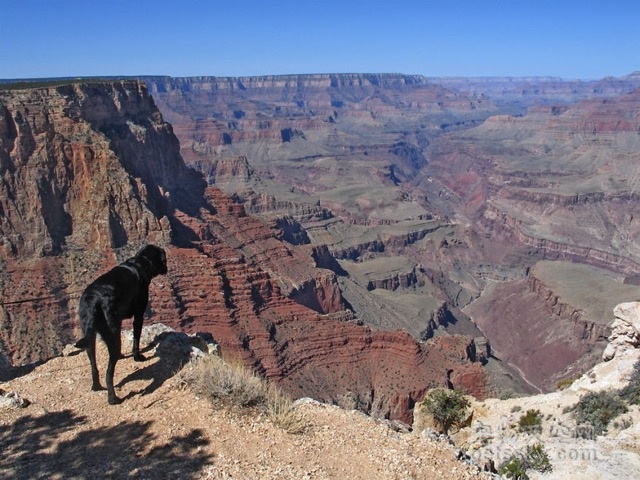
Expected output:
(122, 292)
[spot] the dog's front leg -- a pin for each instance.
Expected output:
(137, 331)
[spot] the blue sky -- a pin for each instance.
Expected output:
(585, 39)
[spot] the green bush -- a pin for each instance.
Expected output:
(531, 421)
(448, 407)
(566, 383)
(597, 409)
(535, 458)
(506, 394)
(631, 393)
(514, 467)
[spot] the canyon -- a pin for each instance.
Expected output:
(442, 199)
(355, 238)
(90, 171)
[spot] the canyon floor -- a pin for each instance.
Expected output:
(164, 430)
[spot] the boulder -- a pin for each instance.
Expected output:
(12, 400)
(178, 347)
(628, 312)
(625, 330)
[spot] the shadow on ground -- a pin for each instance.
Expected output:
(44, 447)
(173, 351)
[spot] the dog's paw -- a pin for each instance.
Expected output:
(96, 387)
(138, 357)
(114, 401)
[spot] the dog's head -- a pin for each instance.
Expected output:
(155, 258)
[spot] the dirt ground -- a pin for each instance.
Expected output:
(163, 430)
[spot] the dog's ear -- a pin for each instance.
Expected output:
(163, 261)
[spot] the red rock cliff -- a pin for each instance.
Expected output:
(91, 171)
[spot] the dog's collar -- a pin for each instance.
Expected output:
(138, 272)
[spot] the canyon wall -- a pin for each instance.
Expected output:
(510, 172)
(91, 171)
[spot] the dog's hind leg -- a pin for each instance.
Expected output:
(90, 315)
(112, 339)
(91, 353)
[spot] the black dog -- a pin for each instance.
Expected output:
(120, 293)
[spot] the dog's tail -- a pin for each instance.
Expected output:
(88, 311)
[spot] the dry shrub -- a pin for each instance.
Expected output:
(283, 414)
(233, 384)
(217, 380)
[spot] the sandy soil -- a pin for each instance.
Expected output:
(163, 430)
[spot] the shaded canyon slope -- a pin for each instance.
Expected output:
(439, 198)
(91, 171)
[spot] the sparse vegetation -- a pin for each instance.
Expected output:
(233, 384)
(631, 393)
(448, 407)
(623, 424)
(535, 458)
(506, 394)
(530, 421)
(282, 413)
(220, 381)
(566, 383)
(514, 467)
(597, 409)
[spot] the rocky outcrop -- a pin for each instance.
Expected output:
(89, 171)
(625, 330)
(589, 330)
(398, 280)
(390, 238)
(493, 432)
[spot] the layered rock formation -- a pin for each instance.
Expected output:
(557, 184)
(568, 304)
(519, 93)
(336, 126)
(91, 170)
(566, 187)
(471, 181)
(77, 183)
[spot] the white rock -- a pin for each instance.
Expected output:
(625, 330)
(609, 352)
(628, 312)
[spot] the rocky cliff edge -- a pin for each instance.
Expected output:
(575, 451)
(164, 430)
